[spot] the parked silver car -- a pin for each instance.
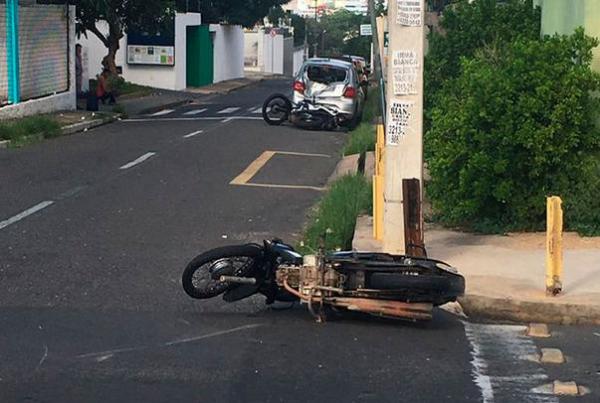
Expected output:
(333, 83)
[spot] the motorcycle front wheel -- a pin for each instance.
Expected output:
(276, 109)
(201, 277)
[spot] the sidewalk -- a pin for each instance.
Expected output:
(166, 99)
(505, 275)
(225, 87)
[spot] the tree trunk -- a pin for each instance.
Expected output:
(114, 36)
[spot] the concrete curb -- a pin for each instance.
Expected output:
(477, 306)
(81, 126)
(4, 143)
(348, 165)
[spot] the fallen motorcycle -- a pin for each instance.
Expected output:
(375, 283)
(307, 114)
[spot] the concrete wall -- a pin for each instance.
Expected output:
(561, 16)
(288, 56)
(273, 54)
(298, 59)
(228, 48)
(166, 77)
(63, 101)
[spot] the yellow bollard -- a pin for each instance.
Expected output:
(554, 254)
(378, 185)
(378, 207)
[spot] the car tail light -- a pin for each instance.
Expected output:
(299, 87)
(350, 92)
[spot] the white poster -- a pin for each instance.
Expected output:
(410, 13)
(405, 71)
(399, 120)
(144, 54)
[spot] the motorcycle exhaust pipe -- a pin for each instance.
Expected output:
(238, 280)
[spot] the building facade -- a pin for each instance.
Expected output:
(563, 17)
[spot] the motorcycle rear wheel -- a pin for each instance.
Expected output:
(276, 109)
(200, 278)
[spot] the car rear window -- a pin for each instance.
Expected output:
(326, 74)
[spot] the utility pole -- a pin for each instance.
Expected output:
(375, 38)
(404, 134)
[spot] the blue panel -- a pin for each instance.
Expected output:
(12, 50)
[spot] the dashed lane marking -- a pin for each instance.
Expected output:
(195, 112)
(138, 160)
(192, 119)
(163, 112)
(26, 213)
(187, 136)
(229, 110)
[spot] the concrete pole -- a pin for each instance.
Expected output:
(404, 95)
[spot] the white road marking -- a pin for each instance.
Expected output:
(597, 334)
(44, 356)
(257, 110)
(229, 110)
(192, 119)
(103, 355)
(500, 367)
(226, 120)
(187, 136)
(195, 112)
(137, 160)
(163, 112)
(26, 213)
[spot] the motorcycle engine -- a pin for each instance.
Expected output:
(313, 278)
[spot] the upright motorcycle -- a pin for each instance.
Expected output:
(375, 283)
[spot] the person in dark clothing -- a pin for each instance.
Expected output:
(103, 90)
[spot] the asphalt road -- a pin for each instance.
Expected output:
(96, 228)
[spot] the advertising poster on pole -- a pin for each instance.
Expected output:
(401, 115)
(410, 13)
(406, 70)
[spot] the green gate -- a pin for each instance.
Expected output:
(199, 69)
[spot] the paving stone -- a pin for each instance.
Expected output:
(538, 330)
(552, 356)
(565, 388)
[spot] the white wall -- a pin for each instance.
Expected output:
(166, 77)
(59, 102)
(228, 46)
(298, 59)
(273, 54)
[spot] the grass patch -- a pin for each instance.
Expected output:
(361, 139)
(364, 137)
(372, 108)
(120, 87)
(29, 130)
(335, 215)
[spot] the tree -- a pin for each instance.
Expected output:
(239, 12)
(339, 33)
(468, 26)
(121, 16)
(517, 124)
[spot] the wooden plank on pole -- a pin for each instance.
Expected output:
(413, 219)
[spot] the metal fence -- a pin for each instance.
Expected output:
(43, 50)
(3, 64)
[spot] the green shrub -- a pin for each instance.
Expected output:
(337, 211)
(470, 26)
(20, 130)
(516, 125)
(361, 139)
